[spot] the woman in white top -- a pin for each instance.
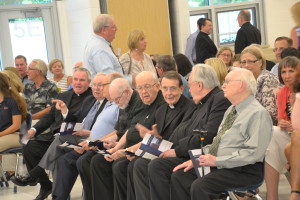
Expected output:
(62, 81)
(135, 60)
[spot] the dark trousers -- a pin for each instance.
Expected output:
(130, 180)
(140, 179)
(186, 185)
(83, 167)
(65, 175)
(33, 153)
(120, 168)
(102, 178)
(159, 174)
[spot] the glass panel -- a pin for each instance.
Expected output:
(21, 2)
(218, 2)
(228, 25)
(28, 38)
(193, 21)
(198, 3)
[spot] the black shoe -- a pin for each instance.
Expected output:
(24, 181)
(43, 194)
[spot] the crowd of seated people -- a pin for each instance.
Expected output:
(234, 99)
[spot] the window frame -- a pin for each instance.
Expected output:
(213, 10)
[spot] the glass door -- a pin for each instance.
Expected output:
(29, 32)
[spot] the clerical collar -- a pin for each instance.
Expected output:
(171, 106)
(203, 100)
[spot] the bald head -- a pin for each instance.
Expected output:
(146, 75)
(147, 86)
(120, 92)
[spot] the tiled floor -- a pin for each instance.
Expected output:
(29, 193)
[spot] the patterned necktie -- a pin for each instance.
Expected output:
(112, 49)
(90, 116)
(226, 125)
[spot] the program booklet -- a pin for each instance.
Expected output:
(151, 147)
(70, 127)
(194, 155)
(70, 145)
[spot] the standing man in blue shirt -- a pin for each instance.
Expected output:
(190, 50)
(98, 54)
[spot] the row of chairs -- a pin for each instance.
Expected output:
(249, 191)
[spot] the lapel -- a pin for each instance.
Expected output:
(69, 98)
(161, 117)
(177, 110)
(98, 112)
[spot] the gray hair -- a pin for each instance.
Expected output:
(246, 76)
(101, 21)
(81, 69)
(145, 74)
(206, 74)
(166, 62)
(121, 83)
(41, 66)
(246, 15)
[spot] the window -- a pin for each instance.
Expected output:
(224, 17)
(201, 3)
(193, 21)
(228, 26)
(23, 2)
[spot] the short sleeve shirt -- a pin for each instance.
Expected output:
(38, 99)
(8, 108)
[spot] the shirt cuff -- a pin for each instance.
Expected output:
(66, 114)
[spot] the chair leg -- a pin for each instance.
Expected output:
(3, 176)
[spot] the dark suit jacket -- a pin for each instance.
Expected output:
(245, 36)
(208, 117)
(54, 118)
(205, 47)
(184, 108)
(81, 114)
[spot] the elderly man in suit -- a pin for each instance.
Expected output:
(42, 133)
(236, 154)
(210, 108)
(177, 108)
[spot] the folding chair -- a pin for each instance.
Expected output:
(247, 191)
(26, 125)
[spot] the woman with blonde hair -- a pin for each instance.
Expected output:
(135, 60)
(219, 66)
(62, 81)
(12, 112)
(225, 54)
(268, 85)
(14, 80)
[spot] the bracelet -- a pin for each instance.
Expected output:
(295, 191)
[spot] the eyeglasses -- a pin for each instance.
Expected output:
(244, 62)
(278, 49)
(225, 55)
(104, 84)
(116, 100)
(171, 89)
(146, 87)
(113, 27)
(32, 68)
(97, 85)
(226, 82)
